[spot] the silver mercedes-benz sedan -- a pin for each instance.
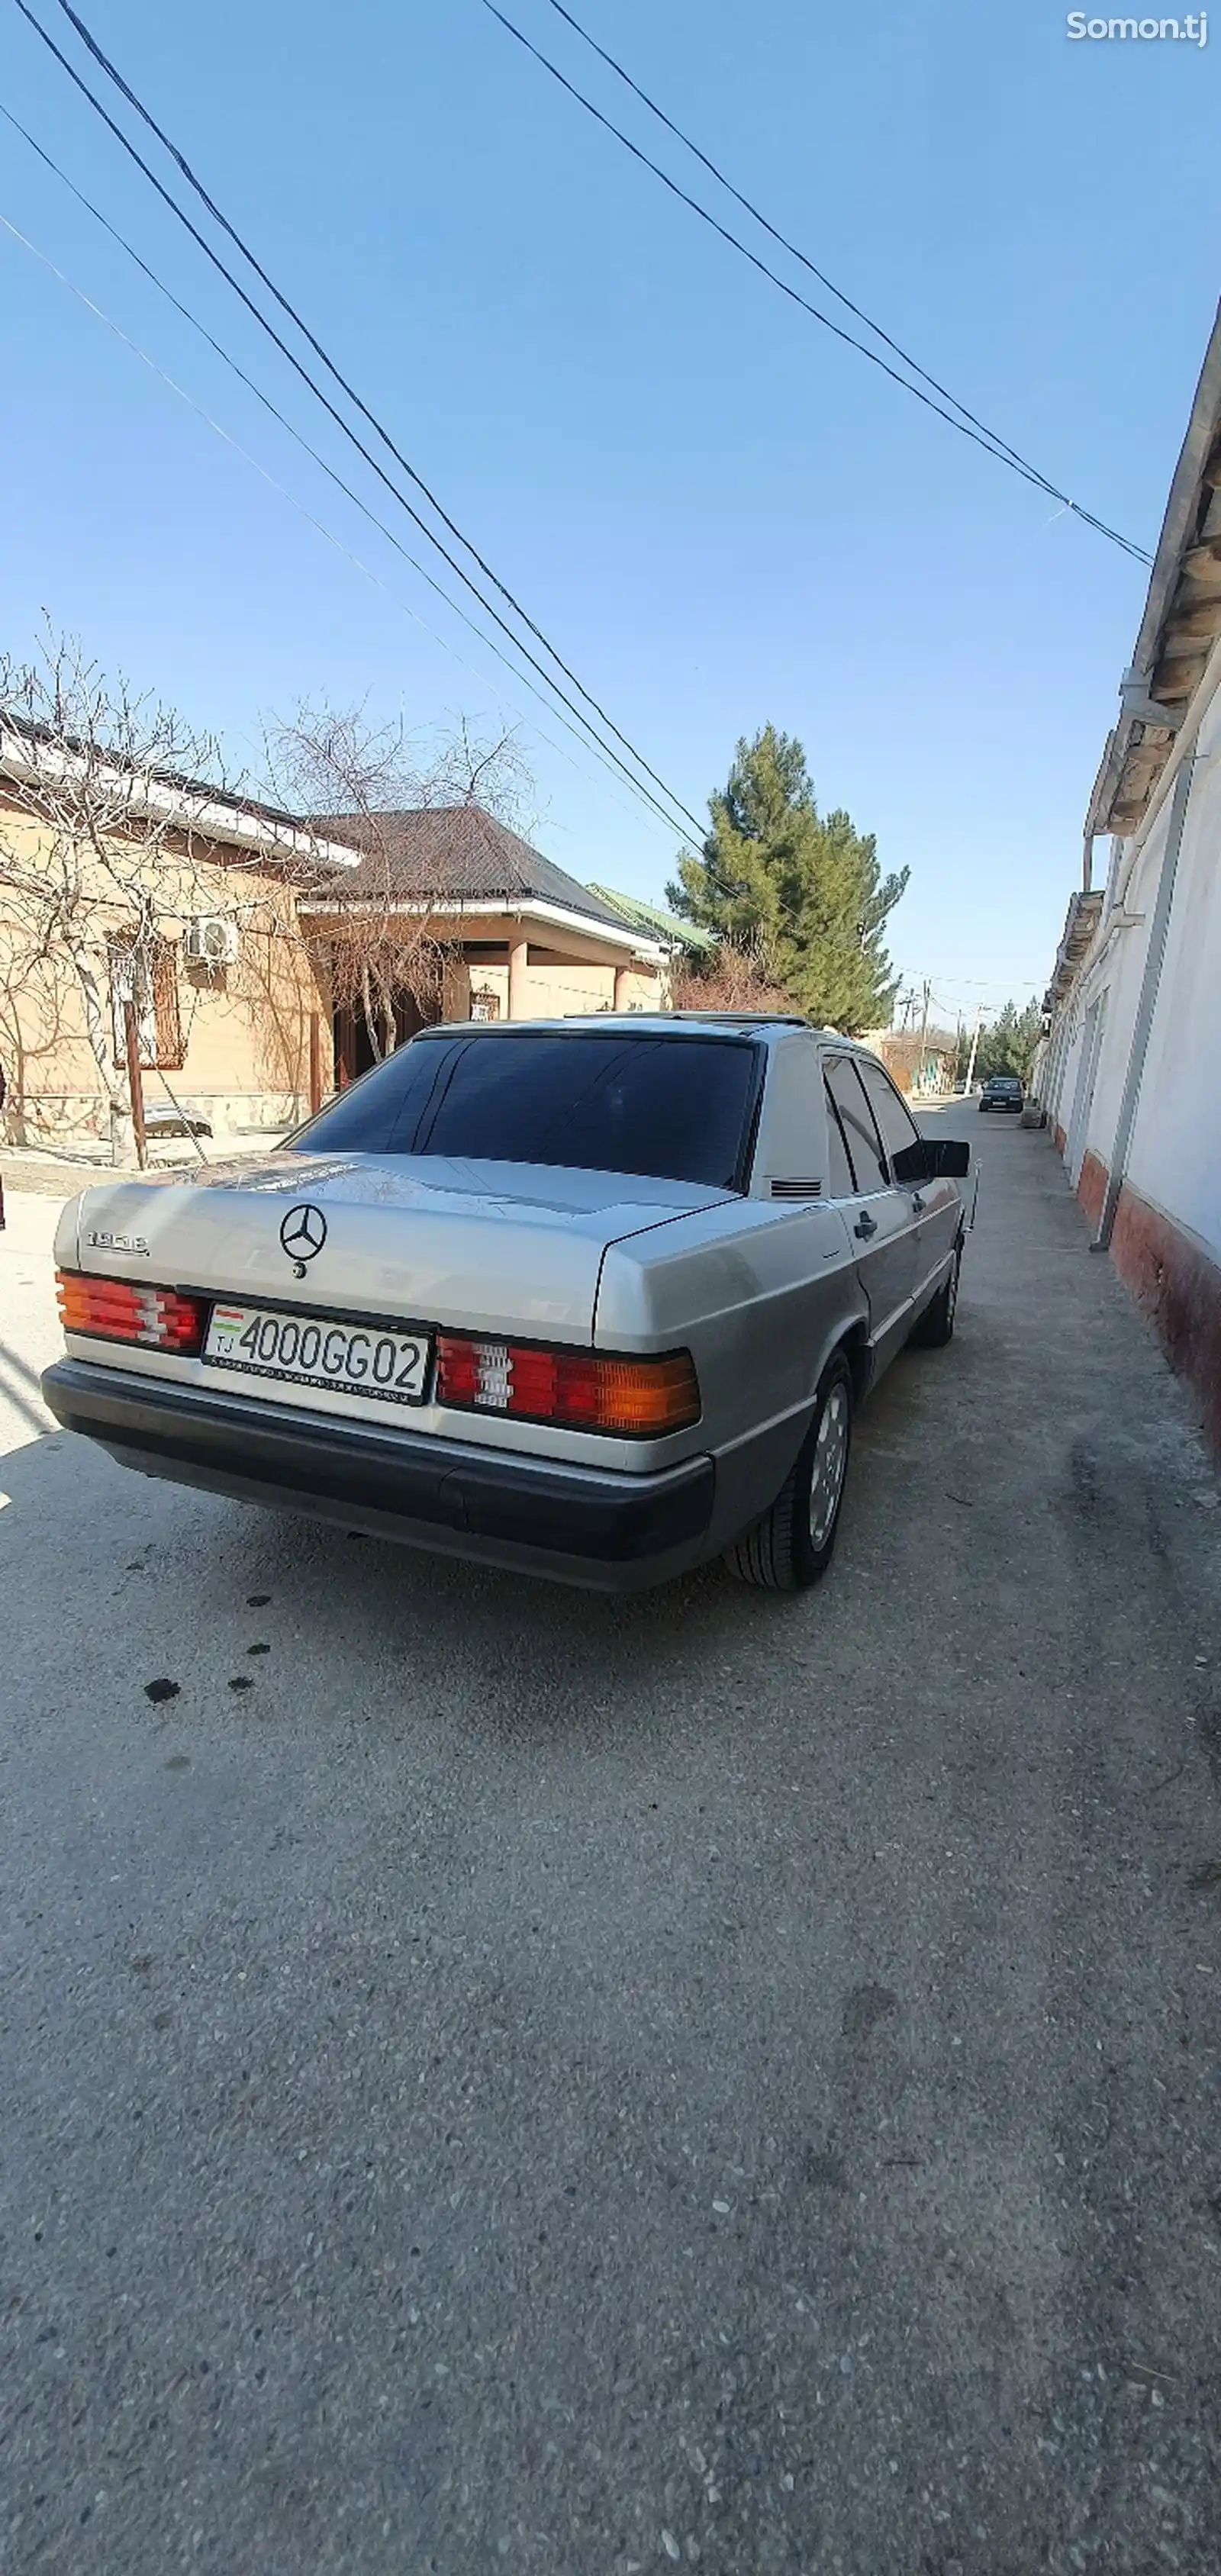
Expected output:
(597, 1299)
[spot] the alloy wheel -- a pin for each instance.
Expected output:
(830, 1462)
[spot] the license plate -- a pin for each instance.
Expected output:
(312, 1350)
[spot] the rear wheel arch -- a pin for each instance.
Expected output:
(855, 1347)
(791, 1544)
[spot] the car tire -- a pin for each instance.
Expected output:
(936, 1325)
(793, 1543)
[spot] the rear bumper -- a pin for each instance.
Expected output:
(578, 1524)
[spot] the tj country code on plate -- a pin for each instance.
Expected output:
(308, 1350)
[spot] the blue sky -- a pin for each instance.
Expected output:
(719, 516)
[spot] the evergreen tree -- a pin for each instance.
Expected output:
(1008, 1045)
(801, 892)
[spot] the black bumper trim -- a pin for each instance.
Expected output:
(232, 1446)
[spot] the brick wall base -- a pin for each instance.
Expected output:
(1092, 1186)
(1179, 1288)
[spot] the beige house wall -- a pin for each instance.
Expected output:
(560, 973)
(245, 1027)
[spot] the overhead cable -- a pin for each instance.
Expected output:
(319, 525)
(689, 820)
(958, 419)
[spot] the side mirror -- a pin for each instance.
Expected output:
(913, 1163)
(928, 1161)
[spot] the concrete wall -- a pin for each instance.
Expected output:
(1175, 1161)
(558, 987)
(1166, 1242)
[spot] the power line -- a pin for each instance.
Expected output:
(966, 425)
(589, 741)
(113, 74)
(689, 819)
(270, 479)
(793, 248)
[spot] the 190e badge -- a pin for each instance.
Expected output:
(106, 1242)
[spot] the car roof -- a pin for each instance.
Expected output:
(671, 1024)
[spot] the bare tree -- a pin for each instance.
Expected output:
(728, 979)
(97, 857)
(488, 770)
(348, 775)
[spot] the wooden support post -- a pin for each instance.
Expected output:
(315, 1064)
(519, 960)
(135, 1083)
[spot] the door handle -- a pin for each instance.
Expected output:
(865, 1225)
(917, 1204)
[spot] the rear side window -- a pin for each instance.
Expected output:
(858, 1126)
(675, 1109)
(898, 1127)
(841, 1179)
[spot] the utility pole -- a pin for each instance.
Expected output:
(923, 1031)
(979, 1021)
(135, 1082)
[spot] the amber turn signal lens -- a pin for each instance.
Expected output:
(578, 1390)
(125, 1310)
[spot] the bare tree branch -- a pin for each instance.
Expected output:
(353, 776)
(104, 804)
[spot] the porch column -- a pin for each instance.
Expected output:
(621, 994)
(519, 958)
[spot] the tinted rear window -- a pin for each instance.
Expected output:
(674, 1109)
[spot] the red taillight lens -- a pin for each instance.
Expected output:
(125, 1310)
(577, 1389)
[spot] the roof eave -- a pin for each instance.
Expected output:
(30, 761)
(495, 907)
(1180, 625)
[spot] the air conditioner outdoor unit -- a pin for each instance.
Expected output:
(210, 940)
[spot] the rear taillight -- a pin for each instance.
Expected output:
(577, 1389)
(124, 1310)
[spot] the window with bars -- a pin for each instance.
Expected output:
(145, 972)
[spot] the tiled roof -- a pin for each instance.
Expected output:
(659, 925)
(454, 850)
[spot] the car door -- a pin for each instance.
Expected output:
(879, 1215)
(935, 1205)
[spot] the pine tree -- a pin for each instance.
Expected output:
(802, 893)
(1008, 1045)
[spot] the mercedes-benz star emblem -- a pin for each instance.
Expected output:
(303, 1233)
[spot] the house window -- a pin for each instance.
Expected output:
(145, 971)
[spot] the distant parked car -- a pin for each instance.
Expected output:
(160, 1120)
(1001, 1091)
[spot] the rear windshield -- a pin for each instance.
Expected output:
(673, 1109)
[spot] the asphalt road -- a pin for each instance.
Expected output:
(496, 2078)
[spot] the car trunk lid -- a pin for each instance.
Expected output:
(478, 1246)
